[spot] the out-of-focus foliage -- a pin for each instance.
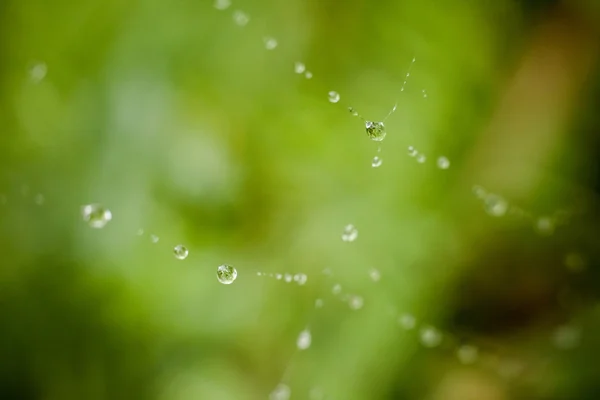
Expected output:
(185, 126)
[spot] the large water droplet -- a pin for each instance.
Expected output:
(281, 392)
(495, 205)
(430, 337)
(240, 18)
(270, 43)
(304, 340)
(375, 130)
(222, 4)
(350, 233)
(226, 274)
(377, 161)
(181, 252)
(467, 354)
(443, 163)
(334, 97)
(95, 215)
(299, 67)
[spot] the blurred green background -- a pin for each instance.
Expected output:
(179, 120)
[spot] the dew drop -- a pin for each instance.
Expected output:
(38, 72)
(412, 151)
(39, 199)
(95, 215)
(430, 337)
(443, 163)
(424, 93)
(259, 273)
(308, 75)
(421, 158)
(140, 232)
(240, 18)
(353, 111)
(334, 97)
(281, 392)
(318, 303)
(154, 238)
(299, 67)
(304, 340)
(180, 252)
(467, 354)
(300, 279)
(374, 275)
(288, 278)
(375, 130)
(478, 191)
(376, 162)
(356, 302)
(222, 4)
(544, 226)
(495, 205)
(350, 233)
(226, 274)
(407, 321)
(278, 276)
(337, 289)
(270, 43)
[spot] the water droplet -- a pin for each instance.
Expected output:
(350, 233)
(353, 111)
(334, 97)
(479, 191)
(495, 205)
(375, 130)
(356, 302)
(467, 354)
(226, 274)
(181, 252)
(421, 158)
(154, 238)
(299, 67)
(407, 321)
(377, 161)
(308, 75)
(337, 289)
(424, 93)
(38, 72)
(39, 199)
(140, 232)
(443, 163)
(575, 262)
(278, 276)
(318, 303)
(288, 278)
(300, 278)
(430, 337)
(240, 18)
(95, 215)
(544, 226)
(412, 151)
(281, 392)
(304, 340)
(270, 43)
(379, 149)
(566, 337)
(316, 394)
(222, 4)
(259, 273)
(374, 275)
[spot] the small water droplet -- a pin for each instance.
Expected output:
(140, 232)
(430, 337)
(278, 277)
(424, 93)
(379, 149)
(240, 18)
(350, 233)
(334, 97)
(421, 158)
(222, 4)
(316, 394)
(38, 72)
(259, 273)
(288, 278)
(407, 321)
(467, 354)
(226, 274)
(337, 289)
(479, 191)
(154, 238)
(412, 151)
(299, 67)
(376, 162)
(356, 302)
(270, 43)
(374, 275)
(544, 226)
(375, 130)
(96, 216)
(300, 279)
(39, 199)
(281, 392)
(353, 111)
(308, 75)
(443, 163)
(304, 340)
(181, 252)
(318, 303)
(495, 205)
